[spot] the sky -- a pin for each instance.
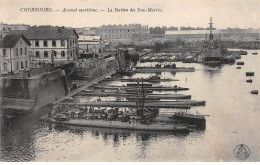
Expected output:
(194, 13)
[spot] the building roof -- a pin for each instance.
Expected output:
(88, 43)
(175, 32)
(126, 27)
(48, 33)
(9, 41)
(221, 31)
(89, 38)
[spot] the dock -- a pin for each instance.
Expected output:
(84, 86)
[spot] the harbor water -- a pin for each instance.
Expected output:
(233, 119)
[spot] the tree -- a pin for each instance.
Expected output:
(157, 47)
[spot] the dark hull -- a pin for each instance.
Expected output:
(200, 122)
(212, 63)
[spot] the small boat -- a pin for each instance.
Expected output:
(238, 56)
(60, 117)
(242, 52)
(87, 90)
(250, 73)
(70, 98)
(240, 63)
(238, 67)
(254, 92)
(255, 53)
(108, 77)
(249, 80)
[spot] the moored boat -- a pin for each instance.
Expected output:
(155, 88)
(212, 63)
(167, 69)
(240, 63)
(125, 125)
(190, 119)
(255, 92)
(250, 73)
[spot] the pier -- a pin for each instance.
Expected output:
(85, 85)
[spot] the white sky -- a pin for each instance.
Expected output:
(195, 13)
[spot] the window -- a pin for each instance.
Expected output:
(5, 66)
(54, 43)
(25, 51)
(25, 64)
(73, 42)
(17, 66)
(45, 43)
(55, 53)
(16, 51)
(21, 64)
(37, 54)
(4, 52)
(21, 51)
(45, 54)
(62, 43)
(70, 43)
(9, 29)
(62, 53)
(36, 43)
(3, 29)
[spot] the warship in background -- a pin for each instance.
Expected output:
(212, 53)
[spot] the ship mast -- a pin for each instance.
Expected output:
(210, 30)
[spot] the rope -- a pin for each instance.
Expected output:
(222, 127)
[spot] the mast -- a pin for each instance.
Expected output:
(142, 93)
(210, 30)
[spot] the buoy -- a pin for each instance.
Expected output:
(255, 92)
